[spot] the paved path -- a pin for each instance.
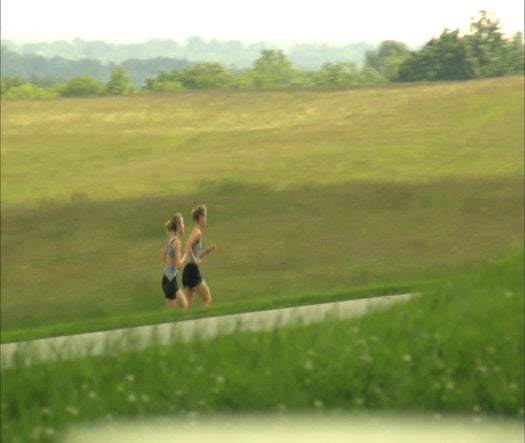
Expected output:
(99, 343)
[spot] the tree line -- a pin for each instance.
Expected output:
(483, 52)
(60, 61)
(46, 71)
(232, 54)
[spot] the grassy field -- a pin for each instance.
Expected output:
(458, 349)
(308, 191)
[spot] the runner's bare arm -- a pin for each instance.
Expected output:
(179, 261)
(208, 250)
(194, 237)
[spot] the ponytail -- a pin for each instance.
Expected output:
(171, 225)
(197, 212)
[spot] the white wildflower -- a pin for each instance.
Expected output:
(71, 410)
(358, 401)
(308, 365)
(46, 412)
(482, 368)
(41, 433)
(366, 358)
(219, 379)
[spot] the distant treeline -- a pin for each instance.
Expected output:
(483, 52)
(233, 54)
(46, 71)
(45, 63)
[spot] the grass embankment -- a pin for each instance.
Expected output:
(457, 349)
(309, 191)
(258, 304)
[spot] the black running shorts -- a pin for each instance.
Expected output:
(170, 288)
(191, 276)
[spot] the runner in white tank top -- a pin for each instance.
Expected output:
(173, 262)
(192, 281)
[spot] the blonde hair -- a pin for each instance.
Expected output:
(171, 225)
(197, 212)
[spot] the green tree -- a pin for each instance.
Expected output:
(10, 82)
(487, 45)
(387, 59)
(165, 81)
(271, 69)
(206, 76)
(448, 57)
(29, 91)
(81, 86)
(451, 58)
(141, 70)
(245, 79)
(369, 76)
(119, 83)
(164, 86)
(514, 55)
(336, 74)
(481, 53)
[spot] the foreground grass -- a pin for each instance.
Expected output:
(309, 191)
(457, 349)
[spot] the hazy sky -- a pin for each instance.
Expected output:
(408, 21)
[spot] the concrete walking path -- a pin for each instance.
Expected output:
(142, 337)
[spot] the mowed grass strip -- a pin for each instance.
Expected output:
(90, 259)
(309, 191)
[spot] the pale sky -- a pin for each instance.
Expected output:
(335, 21)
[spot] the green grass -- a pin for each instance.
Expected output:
(164, 316)
(165, 145)
(309, 192)
(457, 349)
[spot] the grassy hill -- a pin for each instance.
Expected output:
(308, 191)
(458, 350)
